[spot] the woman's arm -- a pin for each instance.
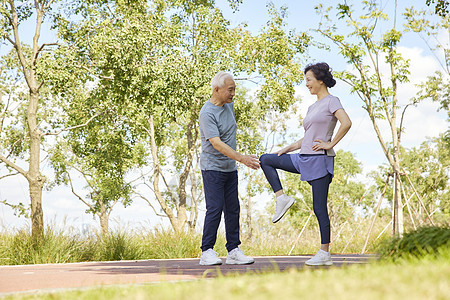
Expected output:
(346, 123)
(292, 147)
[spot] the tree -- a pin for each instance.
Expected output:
(441, 8)
(379, 69)
(427, 168)
(102, 153)
(132, 52)
(22, 139)
(437, 87)
(156, 63)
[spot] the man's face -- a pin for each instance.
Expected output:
(227, 91)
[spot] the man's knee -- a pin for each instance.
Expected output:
(214, 208)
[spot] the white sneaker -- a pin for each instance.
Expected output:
(237, 257)
(209, 258)
(322, 258)
(283, 204)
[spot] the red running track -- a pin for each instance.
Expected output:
(30, 278)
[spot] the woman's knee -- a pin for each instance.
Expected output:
(264, 159)
(321, 211)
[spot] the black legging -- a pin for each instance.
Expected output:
(271, 162)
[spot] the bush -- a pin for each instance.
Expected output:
(53, 247)
(427, 240)
(164, 244)
(119, 245)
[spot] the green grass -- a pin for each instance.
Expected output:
(65, 246)
(420, 270)
(54, 247)
(423, 241)
(410, 278)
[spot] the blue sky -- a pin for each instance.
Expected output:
(60, 205)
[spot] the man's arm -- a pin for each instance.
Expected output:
(250, 161)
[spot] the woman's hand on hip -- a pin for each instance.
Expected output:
(321, 145)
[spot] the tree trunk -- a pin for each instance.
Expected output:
(181, 208)
(35, 179)
(249, 218)
(104, 220)
(156, 173)
(193, 215)
(397, 229)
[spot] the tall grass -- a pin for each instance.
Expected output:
(18, 247)
(65, 246)
(53, 247)
(282, 238)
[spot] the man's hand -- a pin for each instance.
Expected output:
(250, 161)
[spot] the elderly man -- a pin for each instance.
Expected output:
(219, 171)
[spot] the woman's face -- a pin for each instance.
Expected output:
(312, 83)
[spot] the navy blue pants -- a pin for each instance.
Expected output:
(221, 195)
(271, 162)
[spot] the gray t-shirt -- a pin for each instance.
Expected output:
(217, 121)
(319, 123)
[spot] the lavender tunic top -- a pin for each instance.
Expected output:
(319, 123)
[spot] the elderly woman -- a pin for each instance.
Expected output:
(315, 161)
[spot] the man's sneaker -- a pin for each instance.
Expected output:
(209, 258)
(283, 204)
(322, 258)
(237, 257)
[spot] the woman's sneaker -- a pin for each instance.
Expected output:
(209, 258)
(283, 204)
(237, 257)
(322, 258)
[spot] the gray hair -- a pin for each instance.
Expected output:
(219, 79)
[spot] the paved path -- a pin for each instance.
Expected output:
(28, 278)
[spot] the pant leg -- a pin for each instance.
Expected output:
(213, 185)
(231, 211)
(270, 163)
(320, 189)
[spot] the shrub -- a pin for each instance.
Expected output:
(52, 247)
(165, 243)
(427, 240)
(119, 245)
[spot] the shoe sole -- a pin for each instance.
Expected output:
(323, 264)
(285, 210)
(233, 262)
(213, 264)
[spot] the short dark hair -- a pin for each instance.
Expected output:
(322, 71)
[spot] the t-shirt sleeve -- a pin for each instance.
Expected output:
(334, 105)
(208, 125)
